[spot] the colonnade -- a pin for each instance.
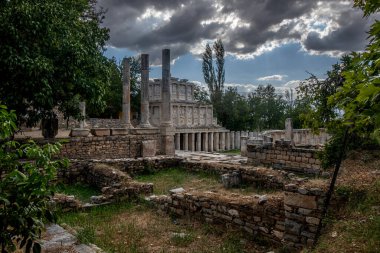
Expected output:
(207, 141)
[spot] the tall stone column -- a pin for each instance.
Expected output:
(166, 109)
(82, 108)
(126, 115)
(211, 142)
(216, 141)
(144, 123)
(186, 141)
(177, 141)
(205, 142)
(228, 141)
(166, 127)
(222, 141)
(199, 142)
(192, 142)
(233, 146)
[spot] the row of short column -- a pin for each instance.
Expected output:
(204, 141)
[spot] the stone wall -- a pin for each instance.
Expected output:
(303, 211)
(300, 136)
(282, 155)
(107, 147)
(266, 219)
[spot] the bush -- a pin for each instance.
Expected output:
(25, 189)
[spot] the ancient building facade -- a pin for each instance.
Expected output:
(196, 128)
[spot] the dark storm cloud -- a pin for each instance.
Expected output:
(247, 27)
(349, 37)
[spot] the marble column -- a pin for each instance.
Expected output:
(237, 139)
(192, 142)
(233, 144)
(186, 141)
(166, 126)
(177, 141)
(205, 142)
(144, 123)
(216, 141)
(166, 109)
(222, 141)
(211, 142)
(289, 130)
(199, 142)
(82, 108)
(227, 142)
(250, 134)
(126, 107)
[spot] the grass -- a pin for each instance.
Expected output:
(80, 191)
(230, 152)
(356, 228)
(135, 227)
(166, 180)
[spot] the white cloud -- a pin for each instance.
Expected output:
(272, 78)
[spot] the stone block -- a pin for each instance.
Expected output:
(148, 148)
(313, 220)
(78, 132)
(119, 131)
(100, 131)
(292, 227)
(299, 200)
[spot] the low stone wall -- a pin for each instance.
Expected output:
(303, 211)
(106, 147)
(300, 136)
(266, 219)
(282, 155)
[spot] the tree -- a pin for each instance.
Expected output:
(135, 66)
(201, 95)
(26, 172)
(236, 112)
(316, 92)
(51, 56)
(267, 109)
(215, 82)
(359, 96)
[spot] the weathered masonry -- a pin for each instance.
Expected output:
(169, 114)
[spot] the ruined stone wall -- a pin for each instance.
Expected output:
(106, 147)
(303, 211)
(284, 157)
(266, 219)
(300, 136)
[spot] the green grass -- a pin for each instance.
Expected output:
(80, 191)
(166, 180)
(98, 226)
(357, 225)
(230, 152)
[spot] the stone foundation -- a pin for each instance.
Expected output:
(266, 219)
(282, 155)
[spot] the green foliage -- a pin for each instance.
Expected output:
(214, 81)
(314, 94)
(266, 109)
(51, 56)
(25, 171)
(201, 95)
(234, 111)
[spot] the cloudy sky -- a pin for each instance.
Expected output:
(266, 41)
